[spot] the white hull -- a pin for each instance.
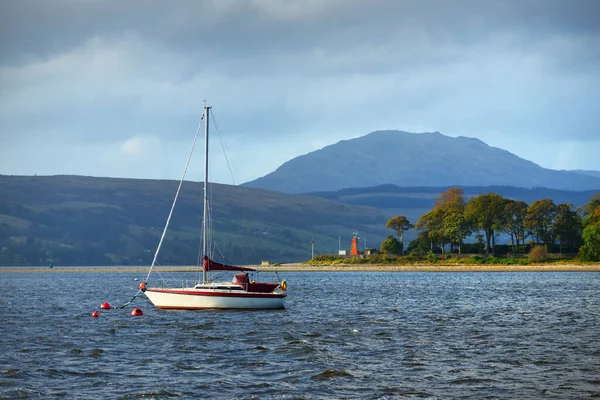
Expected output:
(197, 299)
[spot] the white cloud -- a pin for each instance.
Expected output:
(139, 145)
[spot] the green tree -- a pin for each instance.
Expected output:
(513, 222)
(590, 251)
(420, 245)
(456, 228)
(592, 205)
(399, 224)
(431, 224)
(451, 205)
(567, 226)
(539, 219)
(486, 212)
(594, 217)
(391, 245)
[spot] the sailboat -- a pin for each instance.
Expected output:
(240, 293)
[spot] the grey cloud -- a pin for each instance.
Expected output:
(42, 27)
(103, 71)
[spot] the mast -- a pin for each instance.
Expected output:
(205, 213)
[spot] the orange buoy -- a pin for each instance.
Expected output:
(105, 306)
(143, 286)
(95, 314)
(136, 312)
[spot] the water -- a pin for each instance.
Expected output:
(343, 335)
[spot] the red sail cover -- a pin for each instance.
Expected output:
(210, 265)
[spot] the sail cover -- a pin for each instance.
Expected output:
(210, 265)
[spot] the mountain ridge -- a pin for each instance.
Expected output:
(415, 159)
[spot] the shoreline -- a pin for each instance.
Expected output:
(335, 268)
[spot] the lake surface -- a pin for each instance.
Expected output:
(343, 335)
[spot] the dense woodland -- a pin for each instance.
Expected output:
(561, 228)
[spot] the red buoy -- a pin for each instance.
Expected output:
(95, 314)
(105, 306)
(136, 312)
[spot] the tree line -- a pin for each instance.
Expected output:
(453, 220)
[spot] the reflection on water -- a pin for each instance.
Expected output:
(343, 335)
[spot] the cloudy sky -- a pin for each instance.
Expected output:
(116, 88)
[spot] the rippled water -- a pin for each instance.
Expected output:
(343, 335)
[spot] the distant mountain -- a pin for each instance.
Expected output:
(411, 159)
(77, 220)
(587, 172)
(415, 201)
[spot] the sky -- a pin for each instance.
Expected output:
(116, 88)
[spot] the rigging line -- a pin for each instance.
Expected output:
(176, 196)
(160, 274)
(223, 147)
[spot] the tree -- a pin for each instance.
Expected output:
(446, 223)
(594, 217)
(566, 225)
(456, 228)
(513, 222)
(590, 251)
(451, 198)
(419, 245)
(391, 245)
(540, 215)
(450, 205)
(485, 212)
(431, 225)
(592, 205)
(480, 241)
(399, 224)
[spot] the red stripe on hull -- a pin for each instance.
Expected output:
(215, 308)
(251, 295)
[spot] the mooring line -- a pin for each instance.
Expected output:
(129, 302)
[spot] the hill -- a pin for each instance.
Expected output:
(76, 220)
(587, 172)
(415, 201)
(410, 159)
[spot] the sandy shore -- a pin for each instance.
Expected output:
(338, 268)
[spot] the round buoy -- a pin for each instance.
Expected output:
(136, 312)
(105, 306)
(95, 314)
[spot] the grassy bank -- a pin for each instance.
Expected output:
(447, 260)
(340, 267)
